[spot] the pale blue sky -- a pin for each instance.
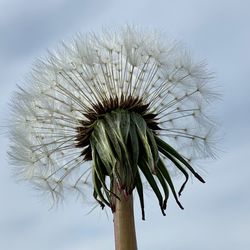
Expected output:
(217, 214)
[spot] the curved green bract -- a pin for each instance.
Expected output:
(124, 150)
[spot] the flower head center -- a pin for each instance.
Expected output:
(99, 112)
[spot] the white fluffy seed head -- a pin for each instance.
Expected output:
(46, 113)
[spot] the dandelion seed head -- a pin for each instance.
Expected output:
(67, 94)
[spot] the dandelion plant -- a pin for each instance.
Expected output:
(113, 112)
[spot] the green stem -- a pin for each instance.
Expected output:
(124, 225)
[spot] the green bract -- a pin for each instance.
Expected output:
(123, 149)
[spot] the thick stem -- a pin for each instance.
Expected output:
(124, 225)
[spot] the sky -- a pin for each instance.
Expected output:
(217, 214)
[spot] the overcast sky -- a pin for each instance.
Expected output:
(217, 214)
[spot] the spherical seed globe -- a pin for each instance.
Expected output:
(115, 109)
